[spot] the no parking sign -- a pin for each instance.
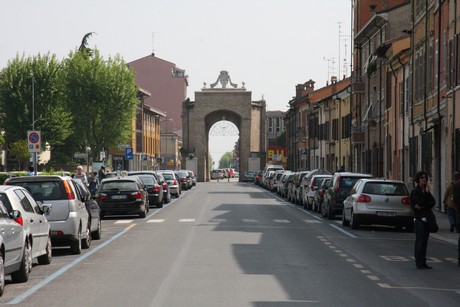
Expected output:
(34, 140)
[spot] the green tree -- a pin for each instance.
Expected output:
(19, 150)
(19, 108)
(102, 96)
(226, 160)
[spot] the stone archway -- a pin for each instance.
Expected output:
(212, 105)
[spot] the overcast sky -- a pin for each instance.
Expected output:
(271, 45)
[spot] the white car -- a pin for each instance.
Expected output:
(32, 219)
(378, 201)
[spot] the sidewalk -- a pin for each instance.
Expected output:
(444, 233)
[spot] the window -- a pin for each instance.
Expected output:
(25, 203)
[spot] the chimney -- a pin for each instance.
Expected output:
(333, 79)
(373, 8)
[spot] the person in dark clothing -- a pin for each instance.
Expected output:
(101, 173)
(456, 195)
(421, 201)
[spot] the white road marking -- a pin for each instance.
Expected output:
(312, 221)
(155, 221)
(186, 220)
(281, 221)
(218, 220)
(373, 277)
(123, 221)
(249, 220)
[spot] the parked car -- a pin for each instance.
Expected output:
(310, 190)
(298, 187)
(192, 175)
(319, 194)
(282, 185)
(32, 220)
(68, 219)
(185, 180)
(290, 189)
(123, 195)
(165, 188)
(378, 201)
(249, 176)
(172, 180)
(217, 174)
(339, 187)
(258, 178)
(16, 260)
(94, 212)
(152, 186)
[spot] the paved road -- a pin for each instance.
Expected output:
(234, 244)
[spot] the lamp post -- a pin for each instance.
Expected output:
(88, 150)
(33, 121)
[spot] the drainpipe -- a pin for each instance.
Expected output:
(396, 112)
(439, 106)
(403, 112)
(454, 149)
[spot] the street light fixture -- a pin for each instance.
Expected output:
(88, 150)
(33, 121)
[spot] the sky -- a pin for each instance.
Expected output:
(270, 45)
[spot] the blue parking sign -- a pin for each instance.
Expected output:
(129, 153)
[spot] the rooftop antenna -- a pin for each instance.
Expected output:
(153, 43)
(340, 37)
(330, 67)
(345, 72)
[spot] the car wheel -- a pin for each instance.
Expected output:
(2, 276)
(344, 221)
(75, 245)
(323, 210)
(22, 275)
(177, 194)
(143, 214)
(330, 213)
(353, 223)
(46, 258)
(86, 241)
(97, 234)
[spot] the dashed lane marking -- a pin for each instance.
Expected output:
(155, 221)
(123, 221)
(186, 220)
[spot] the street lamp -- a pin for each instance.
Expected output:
(88, 150)
(33, 121)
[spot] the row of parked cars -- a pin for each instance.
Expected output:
(41, 212)
(359, 198)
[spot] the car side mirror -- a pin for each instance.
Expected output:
(15, 214)
(46, 208)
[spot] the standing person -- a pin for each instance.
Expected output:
(93, 183)
(449, 203)
(31, 171)
(80, 174)
(456, 194)
(421, 201)
(101, 173)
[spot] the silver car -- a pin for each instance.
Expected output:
(17, 257)
(173, 182)
(378, 201)
(32, 219)
(68, 218)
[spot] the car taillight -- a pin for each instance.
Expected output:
(175, 181)
(101, 197)
(363, 198)
(19, 220)
(156, 188)
(183, 180)
(68, 191)
(137, 195)
(405, 201)
(165, 186)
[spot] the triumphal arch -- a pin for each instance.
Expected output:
(215, 103)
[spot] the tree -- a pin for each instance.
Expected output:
(46, 107)
(226, 160)
(19, 149)
(102, 96)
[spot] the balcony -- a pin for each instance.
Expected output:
(358, 85)
(357, 135)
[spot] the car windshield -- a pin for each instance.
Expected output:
(147, 180)
(119, 185)
(385, 188)
(168, 176)
(348, 182)
(44, 190)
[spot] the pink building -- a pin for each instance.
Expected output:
(168, 87)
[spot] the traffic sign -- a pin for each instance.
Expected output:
(34, 140)
(129, 153)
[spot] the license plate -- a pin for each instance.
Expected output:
(118, 196)
(386, 213)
